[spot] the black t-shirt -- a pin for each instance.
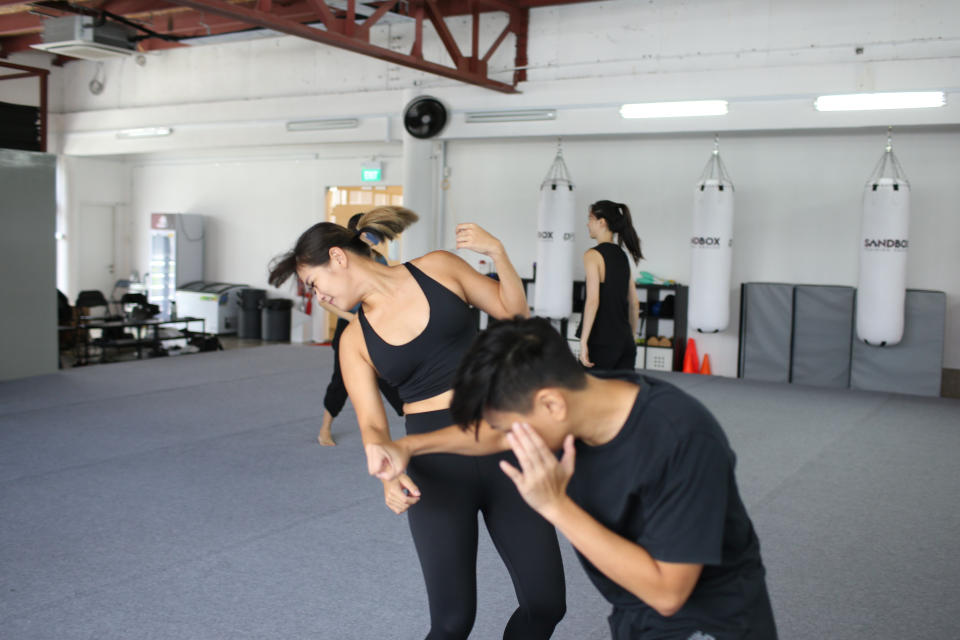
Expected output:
(666, 482)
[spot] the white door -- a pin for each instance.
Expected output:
(95, 248)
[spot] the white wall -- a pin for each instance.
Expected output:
(91, 181)
(627, 37)
(21, 91)
(255, 204)
(797, 205)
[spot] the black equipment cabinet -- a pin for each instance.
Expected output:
(652, 315)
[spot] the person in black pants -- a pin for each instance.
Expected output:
(610, 312)
(336, 394)
(645, 490)
(444, 526)
(413, 325)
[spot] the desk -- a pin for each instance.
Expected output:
(153, 340)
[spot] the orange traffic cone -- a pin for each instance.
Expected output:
(705, 367)
(690, 359)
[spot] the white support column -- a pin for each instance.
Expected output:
(418, 195)
(422, 177)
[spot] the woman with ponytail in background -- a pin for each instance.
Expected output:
(611, 311)
(413, 325)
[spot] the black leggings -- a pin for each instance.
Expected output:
(444, 527)
(336, 395)
(613, 357)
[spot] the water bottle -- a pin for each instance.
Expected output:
(173, 309)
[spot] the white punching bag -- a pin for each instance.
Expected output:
(553, 287)
(711, 249)
(884, 239)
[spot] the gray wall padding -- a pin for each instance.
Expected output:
(822, 335)
(28, 281)
(915, 365)
(765, 330)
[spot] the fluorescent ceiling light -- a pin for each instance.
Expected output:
(522, 115)
(874, 101)
(144, 132)
(674, 109)
(318, 125)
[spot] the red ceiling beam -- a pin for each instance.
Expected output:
(351, 20)
(191, 24)
(176, 21)
(132, 8)
(363, 30)
(449, 42)
(20, 24)
(520, 60)
(18, 43)
(475, 32)
(23, 22)
(196, 18)
(356, 44)
(326, 15)
(155, 44)
(417, 50)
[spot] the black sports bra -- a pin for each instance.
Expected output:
(424, 367)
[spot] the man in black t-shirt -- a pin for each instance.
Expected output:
(645, 489)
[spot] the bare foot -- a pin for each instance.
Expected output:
(325, 437)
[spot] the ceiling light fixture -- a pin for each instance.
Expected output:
(321, 125)
(521, 115)
(877, 101)
(683, 109)
(144, 132)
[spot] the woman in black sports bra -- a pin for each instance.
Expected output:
(413, 326)
(610, 311)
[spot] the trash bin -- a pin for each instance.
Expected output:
(276, 319)
(248, 320)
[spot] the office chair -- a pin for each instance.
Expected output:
(89, 299)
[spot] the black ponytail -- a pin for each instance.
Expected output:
(619, 222)
(313, 246)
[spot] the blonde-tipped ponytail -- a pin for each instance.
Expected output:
(387, 222)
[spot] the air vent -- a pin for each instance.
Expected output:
(82, 37)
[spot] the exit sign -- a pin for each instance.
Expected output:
(371, 172)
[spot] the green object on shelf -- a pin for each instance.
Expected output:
(645, 277)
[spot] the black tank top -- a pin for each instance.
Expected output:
(424, 367)
(612, 324)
